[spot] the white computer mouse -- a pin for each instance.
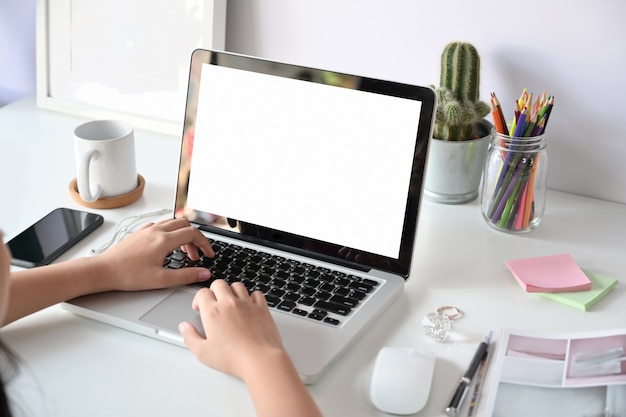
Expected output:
(401, 380)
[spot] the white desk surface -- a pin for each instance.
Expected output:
(75, 366)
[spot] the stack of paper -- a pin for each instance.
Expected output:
(559, 278)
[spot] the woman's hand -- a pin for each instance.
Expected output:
(137, 262)
(239, 328)
(242, 339)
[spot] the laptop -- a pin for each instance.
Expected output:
(315, 175)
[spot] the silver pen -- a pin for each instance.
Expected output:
(461, 392)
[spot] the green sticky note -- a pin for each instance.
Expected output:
(601, 285)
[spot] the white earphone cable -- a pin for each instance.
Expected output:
(124, 227)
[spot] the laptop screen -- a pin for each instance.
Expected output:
(316, 162)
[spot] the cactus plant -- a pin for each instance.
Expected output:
(459, 108)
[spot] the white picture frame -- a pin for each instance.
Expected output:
(123, 59)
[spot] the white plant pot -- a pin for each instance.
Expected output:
(454, 168)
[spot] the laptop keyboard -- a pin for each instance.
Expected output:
(299, 288)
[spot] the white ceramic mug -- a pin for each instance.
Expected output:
(105, 159)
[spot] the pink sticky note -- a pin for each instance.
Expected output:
(554, 273)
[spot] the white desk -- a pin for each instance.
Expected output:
(75, 366)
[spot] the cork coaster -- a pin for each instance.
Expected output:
(110, 202)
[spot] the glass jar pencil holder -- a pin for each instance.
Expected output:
(514, 182)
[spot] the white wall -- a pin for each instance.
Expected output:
(574, 49)
(17, 49)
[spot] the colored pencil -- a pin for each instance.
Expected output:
(530, 197)
(521, 122)
(548, 110)
(519, 219)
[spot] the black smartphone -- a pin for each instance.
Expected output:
(51, 236)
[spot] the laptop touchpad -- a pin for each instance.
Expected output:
(174, 309)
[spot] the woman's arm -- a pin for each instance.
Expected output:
(136, 263)
(242, 340)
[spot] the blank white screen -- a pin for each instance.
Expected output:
(319, 161)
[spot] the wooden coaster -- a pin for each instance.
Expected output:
(110, 202)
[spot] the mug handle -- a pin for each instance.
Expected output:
(84, 188)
